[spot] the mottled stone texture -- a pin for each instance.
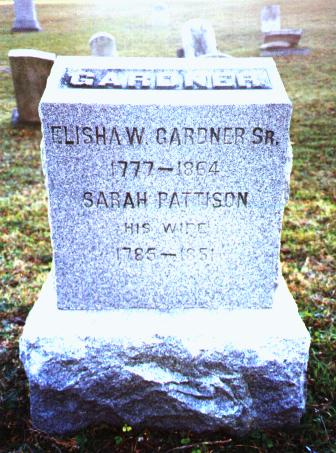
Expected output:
(201, 333)
(208, 234)
(193, 369)
(30, 70)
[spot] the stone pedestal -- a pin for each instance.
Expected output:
(285, 52)
(197, 369)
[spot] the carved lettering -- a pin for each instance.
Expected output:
(139, 79)
(113, 200)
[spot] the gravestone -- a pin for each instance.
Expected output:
(30, 69)
(198, 38)
(160, 15)
(270, 18)
(282, 43)
(103, 44)
(277, 41)
(166, 305)
(25, 16)
(290, 36)
(193, 202)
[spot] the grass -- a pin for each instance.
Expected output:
(309, 232)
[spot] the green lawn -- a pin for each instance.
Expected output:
(309, 233)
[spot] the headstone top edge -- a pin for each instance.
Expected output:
(33, 53)
(57, 94)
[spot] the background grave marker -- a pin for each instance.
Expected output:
(30, 69)
(25, 16)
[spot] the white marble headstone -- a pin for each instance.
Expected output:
(270, 18)
(167, 180)
(198, 38)
(103, 44)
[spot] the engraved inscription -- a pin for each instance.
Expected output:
(138, 254)
(183, 206)
(137, 168)
(123, 200)
(106, 135)
(135, 228)
(164, 79)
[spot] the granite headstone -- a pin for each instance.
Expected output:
(30, 70)
(167, 181)
(162, 197)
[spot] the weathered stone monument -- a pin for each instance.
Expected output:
(103, 44)
(30, 69)
(199, 40)
(277, 41)
(25, 16)
(166, 305)
(270, 18)
(282, 43)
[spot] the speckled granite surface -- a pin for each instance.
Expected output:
(165, 209)
(193, 369)
(166, 198)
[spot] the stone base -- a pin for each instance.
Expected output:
(285, 52)
(23, 26)
(192, 369)
(24, 30)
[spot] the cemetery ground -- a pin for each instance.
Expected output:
(308, 248)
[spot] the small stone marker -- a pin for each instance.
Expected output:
(160, 15)
(277, 41)
(25, 16)
(290, 36)
(270, 18)
(198, 38)
(103, 44)
(167, 180)
(282, 42)
(30, 69)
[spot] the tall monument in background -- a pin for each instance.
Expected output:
(25, 16)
